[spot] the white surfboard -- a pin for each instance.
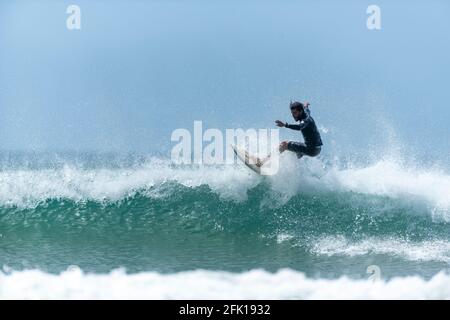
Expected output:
(249, 160)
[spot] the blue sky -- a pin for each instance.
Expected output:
(137, 70)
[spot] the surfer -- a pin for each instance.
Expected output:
(313, 143)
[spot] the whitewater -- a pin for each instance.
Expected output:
(200, 284)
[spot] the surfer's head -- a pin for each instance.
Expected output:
(297, 110)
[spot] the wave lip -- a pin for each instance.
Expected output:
(389, 178)
(29, 188)
(201, 284)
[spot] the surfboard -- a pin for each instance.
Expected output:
(248, 159)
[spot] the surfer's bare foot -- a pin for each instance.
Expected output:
(260, 163)
(283, 146)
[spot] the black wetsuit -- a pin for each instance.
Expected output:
(313, 142)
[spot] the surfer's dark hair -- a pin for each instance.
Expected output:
(297, 105)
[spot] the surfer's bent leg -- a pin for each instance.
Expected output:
(302, 149)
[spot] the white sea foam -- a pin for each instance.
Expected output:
(200, 284)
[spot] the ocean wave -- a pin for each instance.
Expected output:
(29, 188)
(201, 284)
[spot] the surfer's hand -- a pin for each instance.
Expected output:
(280, 123)
(306, 104)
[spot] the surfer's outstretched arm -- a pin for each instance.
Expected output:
(303, 123)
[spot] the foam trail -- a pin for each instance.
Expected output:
(430, 250)
(254, 284)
